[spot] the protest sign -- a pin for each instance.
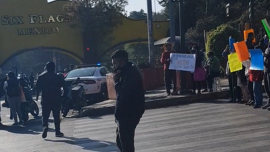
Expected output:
(241, 50)
(234, 63)
(231, 41)
(246, 34)
(266, 27)
(182, 62)
(256, 59)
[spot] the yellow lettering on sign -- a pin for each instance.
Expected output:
(234, 63)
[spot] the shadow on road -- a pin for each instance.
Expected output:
(86, 143)
(32, 126)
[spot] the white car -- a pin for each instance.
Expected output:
(93, 80)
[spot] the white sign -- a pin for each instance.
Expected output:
(183, 62)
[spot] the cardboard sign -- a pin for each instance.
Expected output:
(256, 59)
(182, 62)
(234, 63)
(246, 34)
(266, 27)
(231, 41)
(242, 51)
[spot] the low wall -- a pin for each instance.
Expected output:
(153, 78)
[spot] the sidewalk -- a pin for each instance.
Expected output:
(158, 99)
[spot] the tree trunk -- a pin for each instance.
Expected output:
(90, 49)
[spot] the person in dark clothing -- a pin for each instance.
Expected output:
(267, 76)
(130, 100)
(235, 91)
(50, 84)
(198, 66)
(169, 75)
(3, 92)
(13, 92)
(32, 79)
(250, 45)
(213, 69)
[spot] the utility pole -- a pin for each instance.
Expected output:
(251, 12)
(172, 21)
(183, 89)
(182, 44)
(150, 32)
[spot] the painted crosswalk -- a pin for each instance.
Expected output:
(199, 127)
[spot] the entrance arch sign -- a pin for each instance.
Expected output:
(35, 24)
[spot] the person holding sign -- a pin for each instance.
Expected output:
(267, 76)
(250, 45)
(169, 75)
(256, 76)
(235, 91)
(213, 69)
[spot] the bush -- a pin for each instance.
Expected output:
(219, 38)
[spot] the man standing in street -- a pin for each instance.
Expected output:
(50, 84)
(130, 100)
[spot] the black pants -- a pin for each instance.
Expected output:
(210, 79)
(125, 134)
(47, 107)
(197, 85)
(235, 91)
(267, 84)
(250, 89)
(170, 77)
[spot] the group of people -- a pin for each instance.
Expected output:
(128, 110)
(11, 90)
(206, 69)
(246, 84)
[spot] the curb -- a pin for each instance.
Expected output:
(93, 111)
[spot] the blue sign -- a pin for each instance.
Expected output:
(231, 41)
(256, 59)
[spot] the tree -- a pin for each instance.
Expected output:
(97, 18)
(140, 15)
(218, 39)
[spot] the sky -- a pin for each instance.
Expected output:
(137, 5)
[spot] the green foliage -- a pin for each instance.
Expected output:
(138, 53)
(219, 38)
(97, 18)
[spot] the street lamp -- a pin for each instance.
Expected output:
(50, 1)
(228, 10)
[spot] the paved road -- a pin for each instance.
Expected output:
(199, 127)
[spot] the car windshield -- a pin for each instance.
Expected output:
(81, 73)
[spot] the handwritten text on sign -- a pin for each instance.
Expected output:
(183, 62)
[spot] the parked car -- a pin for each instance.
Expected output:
(93, 80)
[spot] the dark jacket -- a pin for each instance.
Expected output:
(13, 88)
(199, 59)
(249, 44)
(267, 61)
(50, 84)
(130, 94)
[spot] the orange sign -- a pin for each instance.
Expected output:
(241, 50)
(246, 34)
